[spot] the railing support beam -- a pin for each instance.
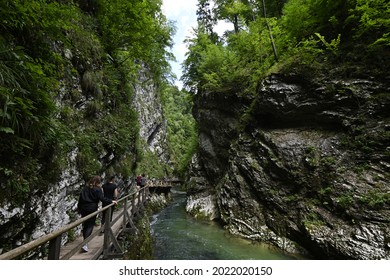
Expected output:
(54, 248)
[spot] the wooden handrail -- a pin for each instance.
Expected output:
(44, 239)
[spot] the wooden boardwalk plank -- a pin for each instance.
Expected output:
(95, 245)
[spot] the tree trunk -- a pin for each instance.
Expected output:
(270, 33)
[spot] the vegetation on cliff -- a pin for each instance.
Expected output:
(272, 36)
(306, 39)
(293, 114)
(182, 134)
(66, 73)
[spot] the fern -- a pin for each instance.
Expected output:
(333, 45)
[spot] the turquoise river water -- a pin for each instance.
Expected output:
(178, 236)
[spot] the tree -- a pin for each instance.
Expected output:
(192, 77)
(233, 11)
(270, 32)
(206, 19)
(138, 28)
(182, 134)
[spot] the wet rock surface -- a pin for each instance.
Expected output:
(309, 170)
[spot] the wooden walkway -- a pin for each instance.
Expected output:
(101, 245)
(104, 246)
(159, 186)
(95, 245)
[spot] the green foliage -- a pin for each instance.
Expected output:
(150, 165)
(46, 47)
(233, 11)
(218, 69)
(311, 157)
(346, 200)
(373, 22)
(192, 76)
(376, 198)
(125, 167)
(254, 50)
(299, 19)
(28, 130)
(182, 133)
(140, 246)
(138, 27)
(206, 18)
(302, 18)
(332, 46)
(313, 221)
(309, 35)
(110, 127)
(211, 66)
(87, 156)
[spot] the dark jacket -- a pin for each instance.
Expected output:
(143, 181)
(89, 199)
(109, 191)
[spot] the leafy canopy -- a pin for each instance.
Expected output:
(310, 33)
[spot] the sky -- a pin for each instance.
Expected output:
(183, 13)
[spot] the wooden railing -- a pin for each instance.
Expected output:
(134, 202)
(158, 183)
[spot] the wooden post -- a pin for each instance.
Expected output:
(142, 199)
(136, 212)
(110, 238)
(54, 248)
(107, 228)
(129, 225)
(125, 214)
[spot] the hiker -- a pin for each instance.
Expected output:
(144, 180)
(138, 180)
(88, 203)
(110, 190)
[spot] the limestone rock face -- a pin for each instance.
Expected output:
(309, 173)
(153, 124)
(46, 212)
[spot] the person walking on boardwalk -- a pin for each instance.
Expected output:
(110, 190)
(144, 180)
(138, 180)
(88, 203)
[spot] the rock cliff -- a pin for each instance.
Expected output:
(45, 212)
(303, 165)
(152, 122)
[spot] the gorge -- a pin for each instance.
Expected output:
(289, 149)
